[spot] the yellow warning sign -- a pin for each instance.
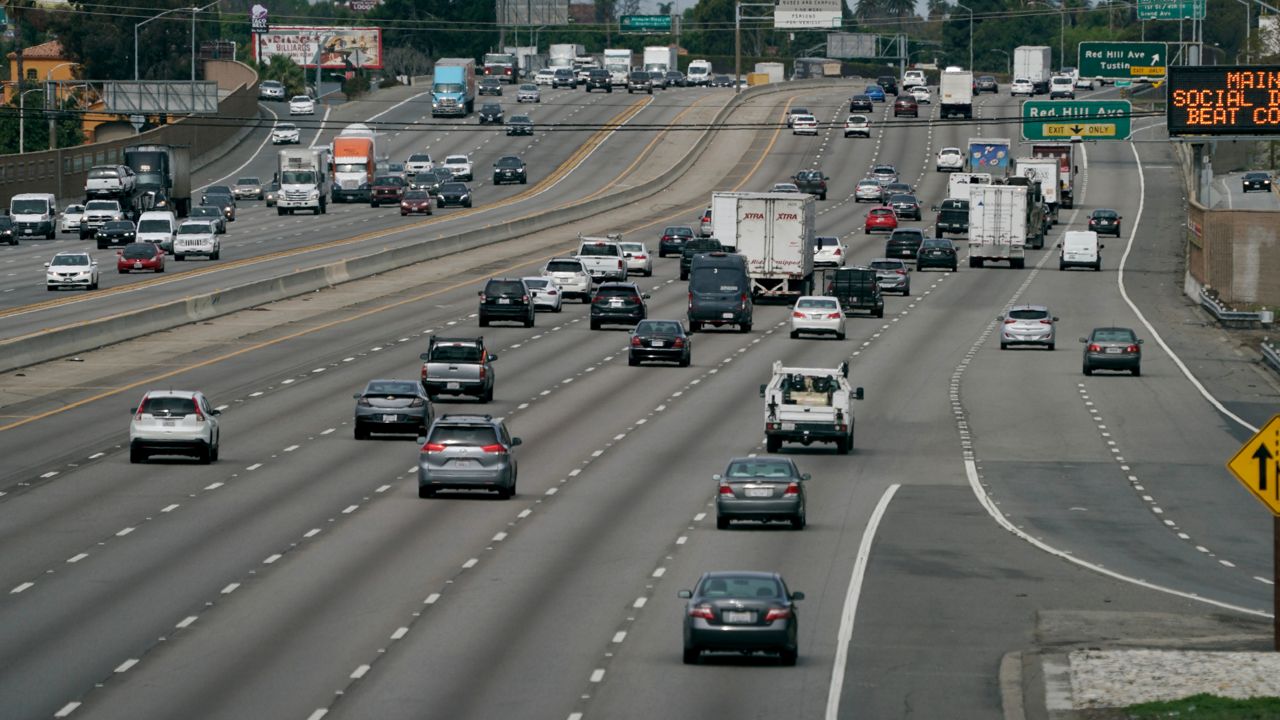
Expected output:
(1257, 465)
(1083, 129)
(1137, 71)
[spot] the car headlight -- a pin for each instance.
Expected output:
(364, 186)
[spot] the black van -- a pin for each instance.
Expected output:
(719, 291)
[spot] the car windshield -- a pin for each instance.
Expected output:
(392, 387)
(6, 222)
(908, 235)
(564, 266)
(298, 177)
(490, 108)
(902, 199)
(351, 168)
(204, 211)
(599, 250)
(118, 226)
(248, 181)
(822, 241)
(1028, 314)
(93, 205)
(520, 120)
(759, 468)
(949, 151)
(508, 162)
(417, 195)
(617, 291)
(507, 287)
(300, 98)
(1105, 214)
(882, 211)
(817, 303)
(463, 435)
(104, 173)
(716, 280)
(286, 126)
(194, 229)
(453, 188)
(658, 327)
(529, 88)
(455, 353)
(740, 587)
(887, 264)
(857, 119)
(79, 260)
(1114, 335)
(539, 283)
(388, 180)
(73, 209)
(456, 160)
(945, 244)
(681, 231)
(139, 250)
(632, 247)
(168, 406)
(419, 158)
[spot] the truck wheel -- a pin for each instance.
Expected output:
(744, 328)
(484, 321)
(684, 274)
(695, 326)
(880, 312)
(772, 444)
(280, 211)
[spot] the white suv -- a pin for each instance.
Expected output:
(197, 237)
(460, 166)
(950, 159)
(1062, 86)
(570, 276)
(174, 422)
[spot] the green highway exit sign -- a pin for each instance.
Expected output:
(1065, 119)
(645, 23)
(1171, 9)
(1123, 60)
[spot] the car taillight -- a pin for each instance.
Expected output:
(900, 271)
(797, 314)
(792, 489)
(363, 402)
(551, 292)
(635, 341)
(702, 611)
(638, 257)
(1132, 349)
(524, 298)
(1094, 347)
(599, 299)
(742, 300)
(834, 316)
(496, 449)
(1009, 321)
(199, 414)
(726, 490)
(777, 614)
(433, 447)
(691, 300)
(678, 343)
(1046, 321)
(837, 251)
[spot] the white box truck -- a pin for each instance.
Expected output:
(959, 184)
(774, 232)
(304, 180)
(775, 70)
(660, 58)
(1044, 171)
(1035, 63)
(618, 63)
(997, 225)
(563, 54)
(955, 94)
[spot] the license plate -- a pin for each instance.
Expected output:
(389, 418)
(726, 316)
(26, 231)
(453, 386)
(1113, 350)
(659, 343)
(906, 253)
(739, 616)
(788, 426)
(169, 423)
(464, 463)
(759, 492)
(504, 301)
(137, 265)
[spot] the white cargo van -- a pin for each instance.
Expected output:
(699, 72)
(159, 227)
(34, 214)
(1080, 248)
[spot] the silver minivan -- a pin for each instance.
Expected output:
(468, 452)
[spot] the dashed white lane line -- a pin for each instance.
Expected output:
(399, 633)
(124, 666)
(187, 621)
(77, 558)
(619, 636)
(469, 564)
(597, 675)
(431, 599)
(67, 710)
(22, 588)
(359, 672)
(272, 558)
(230, 588)
(319, 713)
(254, 466)
(640, 602)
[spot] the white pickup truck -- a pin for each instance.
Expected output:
(603, 258)
(808, 405)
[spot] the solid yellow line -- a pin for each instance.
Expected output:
(563, 169)
(324, 326)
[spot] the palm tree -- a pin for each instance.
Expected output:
(664, 8)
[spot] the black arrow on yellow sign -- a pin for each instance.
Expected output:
(1262, 455)
(1076, 129)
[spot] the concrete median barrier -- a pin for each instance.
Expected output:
(70, 339)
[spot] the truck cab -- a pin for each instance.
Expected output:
(808, 405)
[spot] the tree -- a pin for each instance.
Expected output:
(290, 74)
(102, 40)
(405, 61)
(664, 8)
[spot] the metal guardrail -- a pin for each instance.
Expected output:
(1227, 316)
(1270, 356)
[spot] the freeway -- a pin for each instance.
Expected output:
(563, 168)
(1228, 193)
(301, 577)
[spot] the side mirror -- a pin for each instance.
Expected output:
(423, 356)
(516, 441)
(356, 396)
(1084, 340)
(1101, 245)
(492, 357)
(480, 294)
(858, 394)
(120, 252)
(762, 389)
(1139, 341)
(627, 255)
(645, 296)
(1059, 245)
(1055, 318)
(215, 411)
(684, 594)
(717, 477)
(805, 476)
(46, 264)
(133, 410)
(999, 318)
(844, 368)
(934, 208)
(797, 595)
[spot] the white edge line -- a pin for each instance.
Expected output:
(971, 469)
(1133, 232)
(254, 156)
(850, 610)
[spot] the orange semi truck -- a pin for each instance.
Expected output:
(354, 163)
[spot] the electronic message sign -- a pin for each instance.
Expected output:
(1224, 100)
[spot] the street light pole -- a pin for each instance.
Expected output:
(970, 10)
(195, 10)
(135, 37)
(22, 119)
(53, 116)
(1062, 38)
(1008, 57)
(1248, 27)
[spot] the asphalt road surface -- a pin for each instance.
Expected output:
(301, 577)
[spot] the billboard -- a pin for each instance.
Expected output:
(532, 12)
(341, 47)
(794, 14)
(1238, 100)
(851, 45)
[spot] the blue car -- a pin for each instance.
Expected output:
(875, 92)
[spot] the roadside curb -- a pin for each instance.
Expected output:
(80, 337)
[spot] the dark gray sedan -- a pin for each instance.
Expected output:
(761, 488)
(392, 406)
(1112, 348)
(742, 612)
(453, 193)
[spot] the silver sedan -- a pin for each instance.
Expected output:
(639, 259)
(868, 190)
(817, 314)
(392, 406)
(528, 93)
(761, 488)
(1028, 325)
(546, 294)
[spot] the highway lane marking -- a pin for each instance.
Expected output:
(254, 156)
(230, 588)
(318, 713)
(22, 588)
(1155, 335)
(186, 622)
(126, 665)
(844, 636)
(77, 558)
(67, 710)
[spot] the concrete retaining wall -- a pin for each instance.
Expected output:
(60, 342)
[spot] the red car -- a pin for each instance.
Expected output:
(386, 189)
(415, 202)
(140, 256)
(881, 219)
